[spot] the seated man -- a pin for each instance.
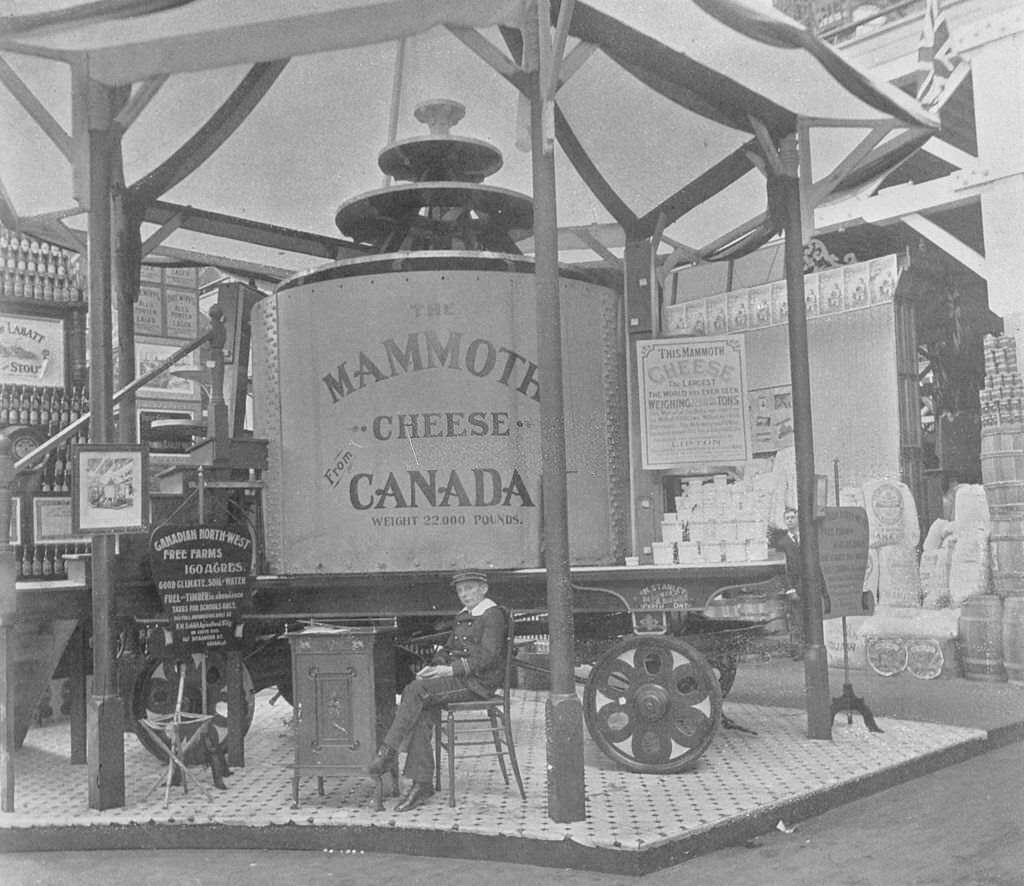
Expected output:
(469, 666)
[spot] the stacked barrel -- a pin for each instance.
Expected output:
(996, 621)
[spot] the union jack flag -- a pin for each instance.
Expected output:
(936, 58)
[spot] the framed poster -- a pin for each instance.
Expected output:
(149, 311)
(693, 401)
(51, 520)
(15, 520)
(109, 492)
(32, 350)
(149, 355)
(182, 313)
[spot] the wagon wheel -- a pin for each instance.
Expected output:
(156, 691)
(652, 704)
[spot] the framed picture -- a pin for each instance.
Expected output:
(51, 520)
(149, 355)
(15, 520)
(109, 490)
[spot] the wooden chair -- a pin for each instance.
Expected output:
(484, 723)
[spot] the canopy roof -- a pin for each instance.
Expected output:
(667, 113)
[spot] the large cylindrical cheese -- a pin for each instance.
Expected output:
(402, 406)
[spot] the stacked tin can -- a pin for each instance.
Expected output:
(1002, 471)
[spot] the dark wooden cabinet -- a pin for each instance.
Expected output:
(344, 697)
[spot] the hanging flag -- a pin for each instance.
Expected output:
(936, 58)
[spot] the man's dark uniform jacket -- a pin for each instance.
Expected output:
(476, 647)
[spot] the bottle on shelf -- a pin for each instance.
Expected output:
(14, 405)
(76, 405)
(24, 406)
(5, 402)
(16, 554)
(19, 280)
(34, 404)
(59, 567)
(67, 475)
(37, 562)
(44, 407)
(60, 291)
(25, 570)
(57, 482)
(46, 476)
(65, 409)
(48, 554)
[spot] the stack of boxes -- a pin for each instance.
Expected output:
(714, 522)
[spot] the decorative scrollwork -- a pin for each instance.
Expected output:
(817, 256)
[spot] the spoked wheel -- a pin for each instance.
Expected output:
(652, 704)
(156, 692)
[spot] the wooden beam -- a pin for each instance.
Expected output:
(138, 101)
(487, 51)
(599, 247)
(890, 204)
(221, 125)
(828, 183)
(768, 147)
(558, 50)
(575, 60)
(953, 156)
(35, 109)
(947, 242)
(164, 231)
(248, 231)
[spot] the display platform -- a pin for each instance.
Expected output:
(743, 785)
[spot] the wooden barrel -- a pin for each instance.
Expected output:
(981, 638)
(1013, 638)
(1006, 545)
(1002, 465)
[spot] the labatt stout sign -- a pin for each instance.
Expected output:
(843, 553)
(203, 575)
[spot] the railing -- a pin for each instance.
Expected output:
(838, 20)
(215, 332)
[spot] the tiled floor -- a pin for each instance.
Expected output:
(739, 775)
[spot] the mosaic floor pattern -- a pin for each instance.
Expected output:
(740, 774)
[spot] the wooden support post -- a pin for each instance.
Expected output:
(76, 656)
(819, 701)
(236, 709)
(105, 723)
(8, 607)
(564, 714)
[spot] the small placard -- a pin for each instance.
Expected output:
(843, 553)
(182, 313)
(204, 577)
(51, 520)
(148, 311)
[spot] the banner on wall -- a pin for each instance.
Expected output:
(693, 401)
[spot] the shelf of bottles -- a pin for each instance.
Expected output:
(37, 271)
(49, 411)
